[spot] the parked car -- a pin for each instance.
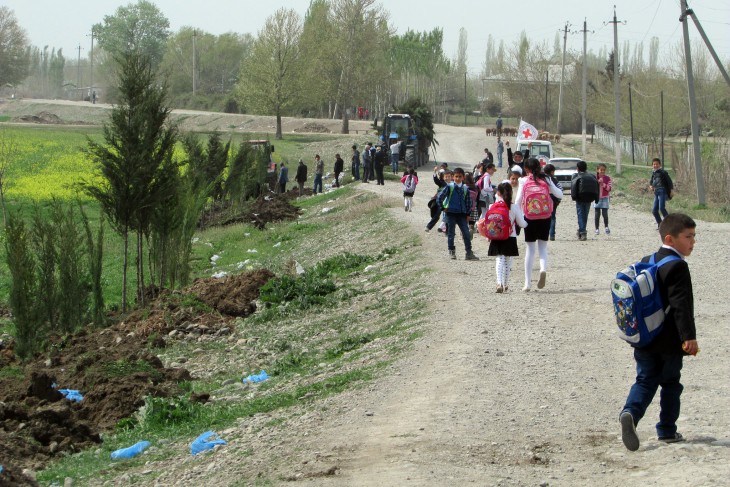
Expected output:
(565, 167)
(540, 149)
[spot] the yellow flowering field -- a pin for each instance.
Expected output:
(50, 161)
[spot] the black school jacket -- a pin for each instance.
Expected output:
(675, 286)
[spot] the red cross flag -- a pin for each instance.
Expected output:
(526, 131)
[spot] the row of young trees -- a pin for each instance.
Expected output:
(151, 199)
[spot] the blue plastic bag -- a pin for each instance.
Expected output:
(256, 377)
(72, 395)
(201, 443)
(130, 451)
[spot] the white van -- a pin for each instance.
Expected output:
(541, 149)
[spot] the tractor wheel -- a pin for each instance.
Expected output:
(411, 157)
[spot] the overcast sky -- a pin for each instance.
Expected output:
(67, 23)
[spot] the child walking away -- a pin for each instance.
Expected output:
(454, 199)
(604, 188)
(533, 196)
(662, 185)
(409, 181)
(549, 169)
(659, 363)
(504, 249)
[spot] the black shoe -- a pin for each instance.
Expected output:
(628, 431)
(452, 254)
(675, 438)
(470, 256)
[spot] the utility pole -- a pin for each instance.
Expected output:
(464, 98)
(661, 108)
(547, 79)
(91, 64)
(78, 72)
(631, 119)
(562, 75)
(195, 33)
(688, 11)
(616, 93)
(584, 88)
(692, 106)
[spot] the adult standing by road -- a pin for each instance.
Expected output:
(283, 177)
(318, 172)
(583, 190)
(339, 168)
(379, 161)
(355, 163)
(367, 161)
(500, 151)
(301, 177)
(394, 156)
(499, 125)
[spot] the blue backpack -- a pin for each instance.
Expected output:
(637, 302)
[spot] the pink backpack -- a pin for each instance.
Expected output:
(496, 225)
(536, 201)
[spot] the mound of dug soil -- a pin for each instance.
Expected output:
(114, 370)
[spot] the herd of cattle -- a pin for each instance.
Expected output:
(512, 132)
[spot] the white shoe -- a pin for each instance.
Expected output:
(608, 231)
(597, 232)
(526, 289)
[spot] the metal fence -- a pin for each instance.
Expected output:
(608, 140)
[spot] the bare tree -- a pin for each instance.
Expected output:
(269, 79)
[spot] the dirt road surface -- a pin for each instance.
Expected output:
(526, 388)
(516, 389)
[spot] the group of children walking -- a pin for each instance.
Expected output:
(529, 198)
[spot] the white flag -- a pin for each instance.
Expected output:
(526, 131)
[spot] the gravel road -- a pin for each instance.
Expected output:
(525, 389)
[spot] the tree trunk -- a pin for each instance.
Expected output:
(278, 135)
(125, 237)
(140, 271)
(2, 201)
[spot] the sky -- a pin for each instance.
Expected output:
(67, 24)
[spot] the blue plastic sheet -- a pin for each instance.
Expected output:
(202, 443)
(130, 451)
(256, 377)
(72, 395)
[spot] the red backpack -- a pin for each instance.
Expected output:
(536, 201)
(496, 224)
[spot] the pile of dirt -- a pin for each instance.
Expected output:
(45, 117)
(266, 208)
(113, 369)
(313, 127)
(42, 117)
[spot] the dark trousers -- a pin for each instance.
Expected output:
(454, 220)
(379, 174)
(654, 370)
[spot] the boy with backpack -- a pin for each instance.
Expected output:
(455, 201)
(659, 363)
(584, 191)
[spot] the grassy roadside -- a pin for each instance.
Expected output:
(372, 313)
(632, 185)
